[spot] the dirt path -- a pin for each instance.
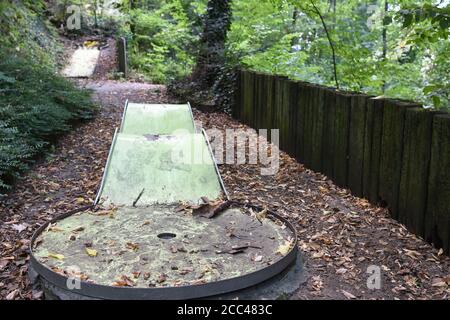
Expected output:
(340, 235)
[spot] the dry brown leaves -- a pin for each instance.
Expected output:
(207, 209)
(340, 235)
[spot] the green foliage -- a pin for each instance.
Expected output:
(23, 28)
(287, 37)
(36, 106)
(164, 40)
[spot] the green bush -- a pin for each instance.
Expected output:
(36, 105)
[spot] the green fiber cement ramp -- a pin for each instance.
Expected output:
(169, 169)
(162, 119)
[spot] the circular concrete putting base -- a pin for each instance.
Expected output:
(161, 247)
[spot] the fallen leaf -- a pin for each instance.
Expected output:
(285, 248)
(19, 227)
(55, 229)
(348, 295)
(132, 246)
(447, 279)
(186, 270)
(3, 264)
(80, 200)
(56, 256)
(257, 258)
(91, 252)
(412, 254)
(209, 209)
(162, 278)
(124, 281)
(341, 271)
(439, 282)
(79, 229)
(260, 216)
(318, 255)
(12, 295)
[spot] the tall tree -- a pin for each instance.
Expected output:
(217, 22)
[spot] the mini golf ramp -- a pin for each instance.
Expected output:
(160, 169)
(161, 119)
(135, 242)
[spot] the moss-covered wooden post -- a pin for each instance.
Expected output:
(301, 106)
(292, 117)
(317, 129)
(237, 95)
(278, 104)
(328, 139)
(242, 94)
(437, 221)
(372, 149)
(263, 102)
(356, 143)
(283, 120)
(341, 142)
(122, 56)
(392, 152)
(244, 101)
(248, 97)
(415, 169)
(269, 95)
(308, 124)
(254, 123)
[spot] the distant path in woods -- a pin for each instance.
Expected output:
(340, 235)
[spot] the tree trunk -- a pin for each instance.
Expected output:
(217, 22)
(386, 8)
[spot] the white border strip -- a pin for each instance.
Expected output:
(102, 184)
(215, 164)
(192, 116)
(123, 116)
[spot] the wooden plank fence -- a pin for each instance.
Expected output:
(391, 152)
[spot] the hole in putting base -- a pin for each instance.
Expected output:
(166, 236)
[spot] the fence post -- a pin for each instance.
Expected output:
(317, 129)
(122, 55)
(356, 143)
(308, 124)
(300, 139)
(328, 132)
(437, 222)
(392, 152)
(341, 144)
(270, 101)
(372, 149)
(415, 169)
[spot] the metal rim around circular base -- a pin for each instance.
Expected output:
(210, 289)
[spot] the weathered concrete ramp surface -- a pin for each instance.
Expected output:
(149, 169)
(162, 119)
(82, 64)
(157, 158)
